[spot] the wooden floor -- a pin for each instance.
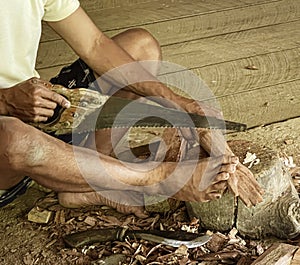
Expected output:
(217, 40)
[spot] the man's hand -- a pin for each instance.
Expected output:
(203, 109)
(243, 184)
(32, 100)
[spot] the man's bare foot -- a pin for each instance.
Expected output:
(78, 200)
(219, 169)
(242, 183)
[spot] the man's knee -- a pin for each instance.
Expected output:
(147, 42)
(9, 129)
(15, 141)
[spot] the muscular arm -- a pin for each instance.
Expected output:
(103, 54)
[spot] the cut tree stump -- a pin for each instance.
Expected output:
(279, 213)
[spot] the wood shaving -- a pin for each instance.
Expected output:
(251, 159)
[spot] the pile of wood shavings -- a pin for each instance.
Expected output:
(221, 249)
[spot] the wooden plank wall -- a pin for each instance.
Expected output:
(217, 40)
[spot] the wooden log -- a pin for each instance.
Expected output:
(218, 215)
(159, 204)
(277, 254)
(278, 215)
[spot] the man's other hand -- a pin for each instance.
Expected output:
(32, 100)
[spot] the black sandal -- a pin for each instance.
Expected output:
(14, 192)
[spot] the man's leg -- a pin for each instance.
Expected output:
(25, 151)
(141, 46)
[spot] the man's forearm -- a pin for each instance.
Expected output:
(122, 71)
(107, 58)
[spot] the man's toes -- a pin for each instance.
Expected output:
(229, 159)
(139, 211)
(228, 168)
(218, 187)
(221, 177)
(214, 196)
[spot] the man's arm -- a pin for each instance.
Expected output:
(103, 54)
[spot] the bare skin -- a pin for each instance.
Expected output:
(27, 151)
(36, 160)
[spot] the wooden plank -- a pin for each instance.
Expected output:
(201, 52)
(234, 46)
(263, 106)
(233, 76)
(221, 22)
(158, 11)
(277, 254)
(175, 16)
(90, 5)
(50, 72)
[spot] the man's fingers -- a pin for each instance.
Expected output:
(40, 119)
(45, 103)
(59, 99)
(219, 187)
(211, 111)
(42, 114)
(48, 94)
(228, 168)
(230, 159)
(233, 184)
(221, 177)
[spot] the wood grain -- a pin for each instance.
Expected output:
(189, 17)
(201, 52)
(90, 5)
(277, 254)
(234, 77)
(264, 106)
(234, 46)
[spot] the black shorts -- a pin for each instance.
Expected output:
(76, 75)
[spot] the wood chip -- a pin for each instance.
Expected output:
(39, 216)
(90, 221)
(217, 242)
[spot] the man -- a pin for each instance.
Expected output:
(24, 97)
